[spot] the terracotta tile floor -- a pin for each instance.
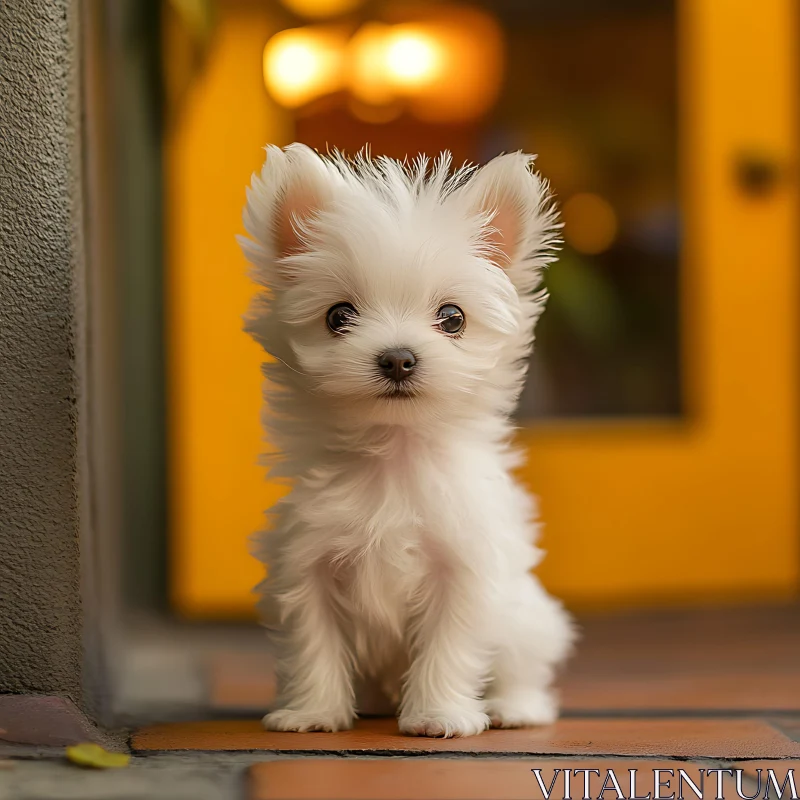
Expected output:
(437, 779)
(701, 689)
(680, 737)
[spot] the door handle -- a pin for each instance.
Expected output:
(758, 174)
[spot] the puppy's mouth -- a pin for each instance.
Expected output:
(399, 391)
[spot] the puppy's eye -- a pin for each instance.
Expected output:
(340, 317)
(450, 319)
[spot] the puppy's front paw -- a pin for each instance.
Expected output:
(288, 719)
(523, 709)
(444, 724)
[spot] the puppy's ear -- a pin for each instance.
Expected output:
(520, 223)
(294, 185)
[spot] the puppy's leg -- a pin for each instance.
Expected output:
(315, 665)
(535, 635)
(441, 696)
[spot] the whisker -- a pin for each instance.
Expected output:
(288, 366)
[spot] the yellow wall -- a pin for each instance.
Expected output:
(214, 142)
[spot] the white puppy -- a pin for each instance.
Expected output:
(399, 310)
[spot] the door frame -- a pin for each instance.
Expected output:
(660, 511)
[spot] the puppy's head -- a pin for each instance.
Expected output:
(398, 294)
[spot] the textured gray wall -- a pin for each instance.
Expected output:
(40, 295)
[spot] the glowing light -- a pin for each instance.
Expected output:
(296, 65)
(412, 59)
(366, 72)
(321, 8)
(590, 223)
(444, 67)
(303, 63)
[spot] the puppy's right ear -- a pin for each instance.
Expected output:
(294, 186)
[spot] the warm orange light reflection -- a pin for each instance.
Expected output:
(366, 65)
(321, 8)
(303, 63)
(391, 61)
(468, 72)
(590, 223)
(374, 114)
(413, 58)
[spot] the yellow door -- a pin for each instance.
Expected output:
(700, 506)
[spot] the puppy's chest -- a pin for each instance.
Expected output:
(371, 500)
(375, 515)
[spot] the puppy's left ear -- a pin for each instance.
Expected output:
(515, 208)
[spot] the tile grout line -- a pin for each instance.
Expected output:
(465, 755)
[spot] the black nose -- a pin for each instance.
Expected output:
(397, 364)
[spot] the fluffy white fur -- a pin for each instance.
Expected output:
(403, 554)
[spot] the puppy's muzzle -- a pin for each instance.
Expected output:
(397, 365)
